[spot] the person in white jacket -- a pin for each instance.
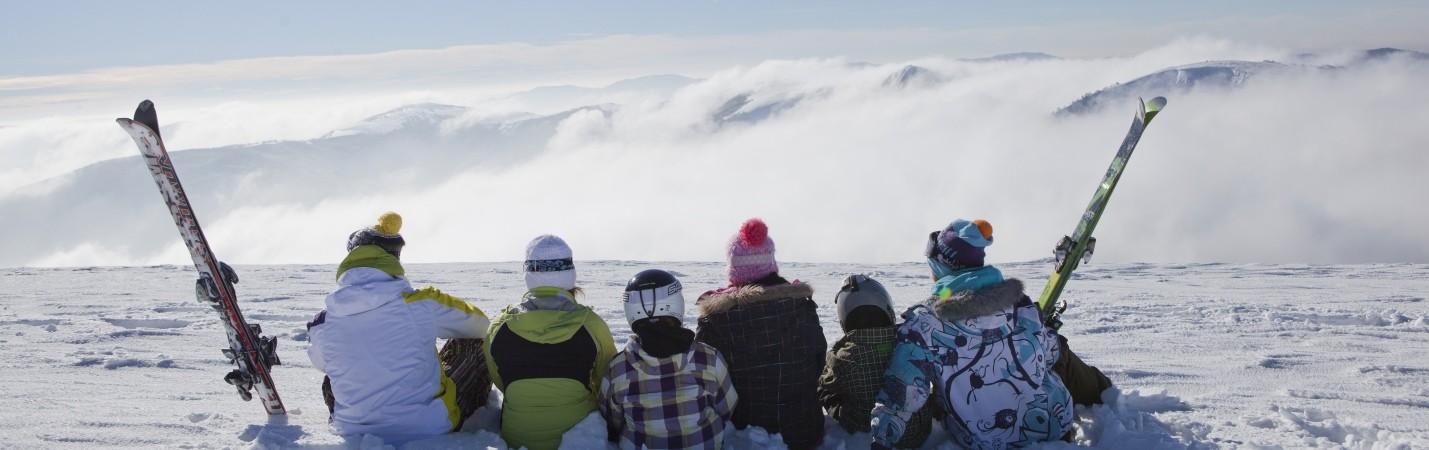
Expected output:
(376, 341)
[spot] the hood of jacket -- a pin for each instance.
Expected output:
(872, 335)
(989, 300)
(362, 289)
(654, 366)
(555, 320)
(370, 256)
(725, 299)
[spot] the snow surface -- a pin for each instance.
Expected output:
(1246, 356)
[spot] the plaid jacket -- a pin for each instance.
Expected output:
(680, 401)
(771, 338)
(851, 380)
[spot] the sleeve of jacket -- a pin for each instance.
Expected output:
(725, 397)
(907, 386)
(605, 347)
(454, 317)
(315, 351)
(610, 406)
(707, 331)
(1051, 340)
(816, 332)
(1052, 345)
(486, 344)
(829, 393)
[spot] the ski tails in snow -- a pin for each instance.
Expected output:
(1078, 247)
(253, 354)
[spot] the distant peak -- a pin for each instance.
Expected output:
(1387, 52)
(650, 81)
(419, 110)
(1020, 56)
(401, 117)
(910, 74)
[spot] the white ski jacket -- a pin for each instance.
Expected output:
(376, 340)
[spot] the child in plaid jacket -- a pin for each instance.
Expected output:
(665, 390)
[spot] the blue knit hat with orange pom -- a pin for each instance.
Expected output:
(751, 253)
(960, 245)
(386, 234)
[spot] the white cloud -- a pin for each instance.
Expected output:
(1297, 167)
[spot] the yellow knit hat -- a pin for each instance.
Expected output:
(389, 223)
(385, 234)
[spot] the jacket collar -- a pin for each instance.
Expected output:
(550, 299)
(969, 304)
(370, 256)
(730, 297)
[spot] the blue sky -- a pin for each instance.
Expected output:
(45, 37)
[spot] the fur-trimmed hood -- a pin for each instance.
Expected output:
(990, 300)
(724, 299)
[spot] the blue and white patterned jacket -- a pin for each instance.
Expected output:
(985, 357)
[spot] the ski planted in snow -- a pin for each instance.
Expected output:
(254, 354)
(1078, 248)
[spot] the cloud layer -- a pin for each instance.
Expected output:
(1310, 166)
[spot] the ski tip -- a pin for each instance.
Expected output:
(146, 115)
(146, 108)
(1149, 108)
(1155, 104)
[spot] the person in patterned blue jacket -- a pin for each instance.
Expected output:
(979, 349)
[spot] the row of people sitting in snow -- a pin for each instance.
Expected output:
(975, 354)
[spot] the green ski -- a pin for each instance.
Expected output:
(1078, 247)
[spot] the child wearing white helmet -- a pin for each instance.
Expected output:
(664, 390)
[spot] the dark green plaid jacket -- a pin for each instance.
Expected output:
(852, 377)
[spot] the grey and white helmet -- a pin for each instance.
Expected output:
(859, 291)
(654, 293)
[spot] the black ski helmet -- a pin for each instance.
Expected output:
(654, 293)
(858, 291)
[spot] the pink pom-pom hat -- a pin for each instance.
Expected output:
(751, 253)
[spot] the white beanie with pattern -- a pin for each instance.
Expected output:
(549, 263)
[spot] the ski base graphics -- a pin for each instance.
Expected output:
(254, 354)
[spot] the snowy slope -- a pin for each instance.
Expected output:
(1223, 75)
(1252, 356)
(1174, 82)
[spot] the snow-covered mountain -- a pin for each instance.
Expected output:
(1175, 81)
(1388, 53)
(418, 116)
(1020, 56)
(1215, 75)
